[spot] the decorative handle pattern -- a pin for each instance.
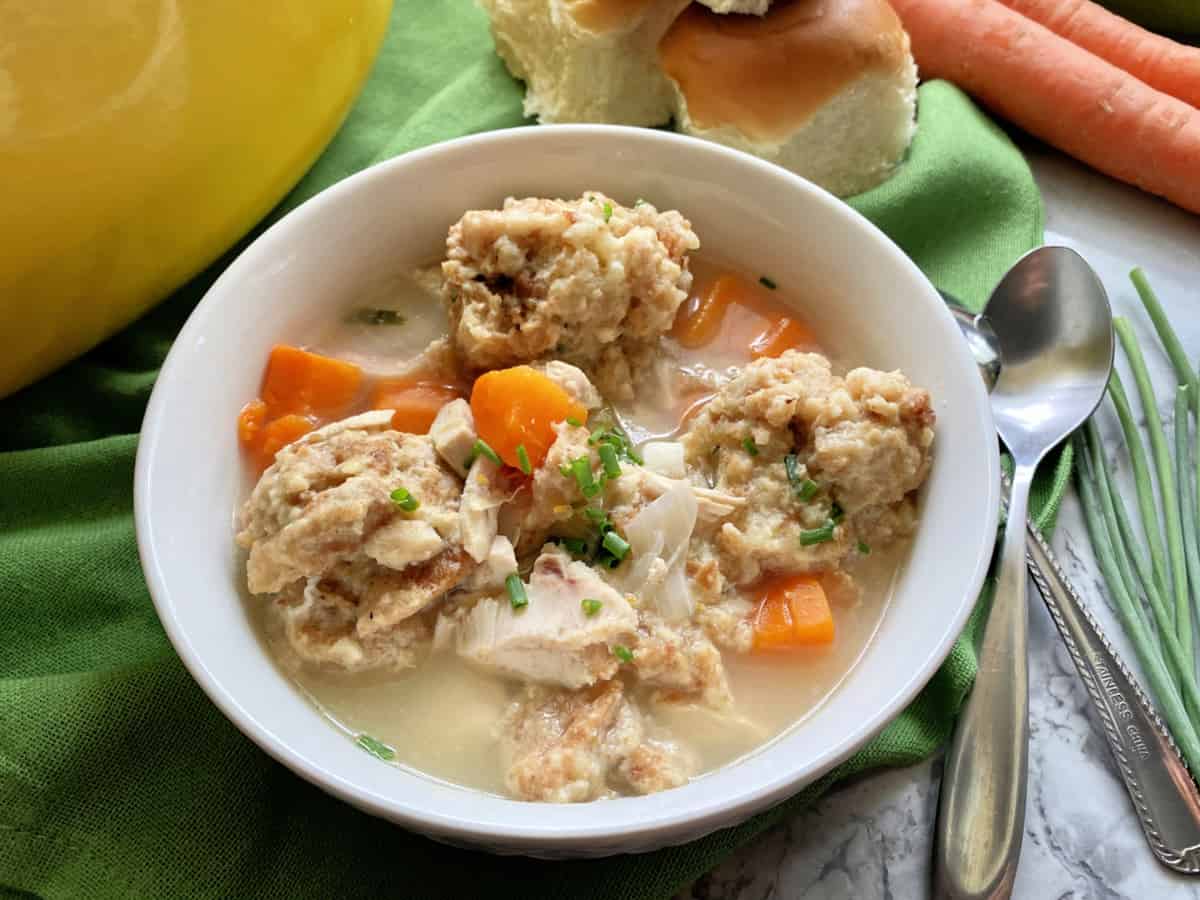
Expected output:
(1162, 791)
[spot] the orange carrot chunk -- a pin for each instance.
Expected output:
(416, 405)
(786, 334)
(1160, 62)
(519, 407)
(699, 319)
(793, 612)
(1060, 93)
(279, 433)
(250, 424)
(306, 383)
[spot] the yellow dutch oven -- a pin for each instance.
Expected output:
(141, 138)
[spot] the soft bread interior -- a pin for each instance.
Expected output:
(587, 60)
(826, 88)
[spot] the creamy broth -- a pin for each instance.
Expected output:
(441, 716)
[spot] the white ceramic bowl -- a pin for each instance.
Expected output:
(864, 298)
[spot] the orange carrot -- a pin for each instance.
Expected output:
(297, 381)
(279, 433)
(1160, 62)
(416, 405)
(1066, 96)
(785, 334)
(250, 423)
(793, 612)
(519, 407)
(699, 319)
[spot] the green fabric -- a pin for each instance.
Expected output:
(1179, 17)
(118, 778)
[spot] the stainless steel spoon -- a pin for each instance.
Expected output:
(1054, 328)
(1163, 794)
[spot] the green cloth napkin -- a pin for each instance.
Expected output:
(118, 778)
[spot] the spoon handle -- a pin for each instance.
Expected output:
(1163, 794)
(981, 811)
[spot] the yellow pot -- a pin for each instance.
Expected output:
(140, 138)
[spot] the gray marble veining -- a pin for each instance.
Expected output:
(872, 839)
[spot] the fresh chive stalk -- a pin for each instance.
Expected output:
(1141, 480)
(1160, 679)
(1166, 480)
(516, 591)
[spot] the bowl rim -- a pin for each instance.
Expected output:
(522, 830)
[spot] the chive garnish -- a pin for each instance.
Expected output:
(596, 516)
(575, 546)
(482, 449)
(376, 748)
(574, 422)
(591, 607)
(804, 488)
(516, 591)
(607, 211)
(608, 456)
(566, 470)
(582, 470)
(817, 535)
(864, 548)
(403, 499)
(767, 283)
(749, 445)
(523, 460)
(623, 653)
(369, 316)
(808, 490)
(616, 545)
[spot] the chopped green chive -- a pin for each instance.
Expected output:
(616, 545)
(582, 470)
(376, 748)
(575, 546)
(808, 490)
(817, 535)
(482, 449)
(369, 316)
(403, 499)
(597, 516)
(523, 460)
(864, 548)
(567, 471)
(607, 211)
(767, 283)
(749, 445)
(804, 488)
(591, 607)
(516, 591)
(623, 653)
(608, 456)
(574, 422)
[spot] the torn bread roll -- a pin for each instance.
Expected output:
(826, 88)
(587, 60)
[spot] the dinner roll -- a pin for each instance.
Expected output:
(826, 88)
(587, 60)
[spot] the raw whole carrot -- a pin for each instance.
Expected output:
(1160, 62)
(416, 405)
(519, 407)
(1061, 93)
(793, 612)
(297, 381)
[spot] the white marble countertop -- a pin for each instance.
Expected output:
(873, 838)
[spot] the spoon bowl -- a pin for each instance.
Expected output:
(1053, 327)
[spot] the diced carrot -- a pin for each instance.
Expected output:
(306, 383)
(786, 334)
(1060, 93)
(279, 433)
(250, 424)
(520, 407)
(699, 319)
(415, 405)
(793, 612)
(1160, 62)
